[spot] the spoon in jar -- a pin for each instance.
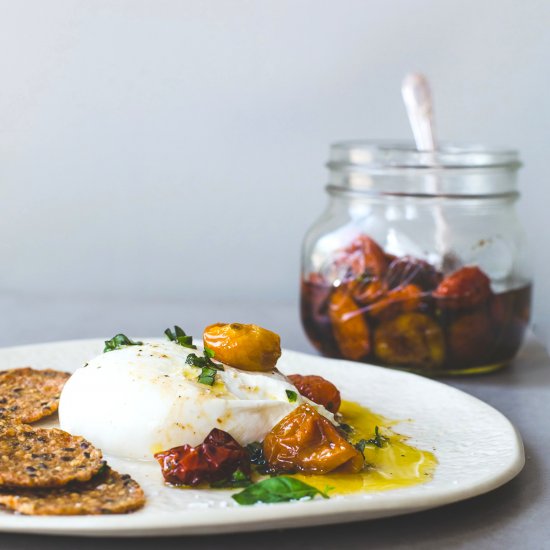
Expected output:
(417, 97)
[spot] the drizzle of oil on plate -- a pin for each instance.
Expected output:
(394, 465)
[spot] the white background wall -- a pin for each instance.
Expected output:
(175, 149)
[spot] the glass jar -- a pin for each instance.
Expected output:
(419, 261)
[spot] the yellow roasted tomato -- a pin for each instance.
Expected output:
(246, 347)
(306, 442)
(410, 340)
(349, 328)
(400, 300)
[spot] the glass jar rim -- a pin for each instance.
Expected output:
(382, 155)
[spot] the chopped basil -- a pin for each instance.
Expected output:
(292, 396)
(346, 429)
(277, 489)
(179, 337)
(207, 366)
(195, 361)
(237, 480)
(207, 376)
(257, 458)
(119, 341)
(256, 452)
(201, 362)
(378, 441)
(205, 361)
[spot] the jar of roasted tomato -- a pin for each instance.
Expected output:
(419, 261)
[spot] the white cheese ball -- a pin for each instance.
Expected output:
(139, 400)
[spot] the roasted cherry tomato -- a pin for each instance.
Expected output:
(318, 389)
(306, 442)
(314, 301)
(410, 340)
(466, 288)
(400, 300)
(366, 290)
(363, 256)
(408, 270)
(246, 347)
(471, 338)
(349, 328)
(216, 459)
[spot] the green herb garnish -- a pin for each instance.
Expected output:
(201, 362)
(292, 396)
(237, 480)
(207, 366)
(277, 489)
(257, 458)
(196, 360)
(378, 441)
(256, 452)
(119, 341)
(346, 429)
(179, 337)
(207, 376)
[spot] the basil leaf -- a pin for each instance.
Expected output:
(378, 441)
(346, 429)
(257, 458)
(209, 368)
(256, 452)
(119, 341)
(207, 376)
(195, 361)
(277, 489)
(179, 337)
(292, 396)
(201, 362)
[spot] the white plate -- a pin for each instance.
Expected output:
(477, 448)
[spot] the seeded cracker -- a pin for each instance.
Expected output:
(28, 394)
(107, 493)
(36, 457)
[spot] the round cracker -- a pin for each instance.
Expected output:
(38, 457)
(28, 394)
(107, 493)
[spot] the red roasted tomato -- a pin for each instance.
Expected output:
(216, 459)
(318, 389)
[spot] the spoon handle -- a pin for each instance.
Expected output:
(417, 97)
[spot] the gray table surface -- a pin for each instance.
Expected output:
(514, 516)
